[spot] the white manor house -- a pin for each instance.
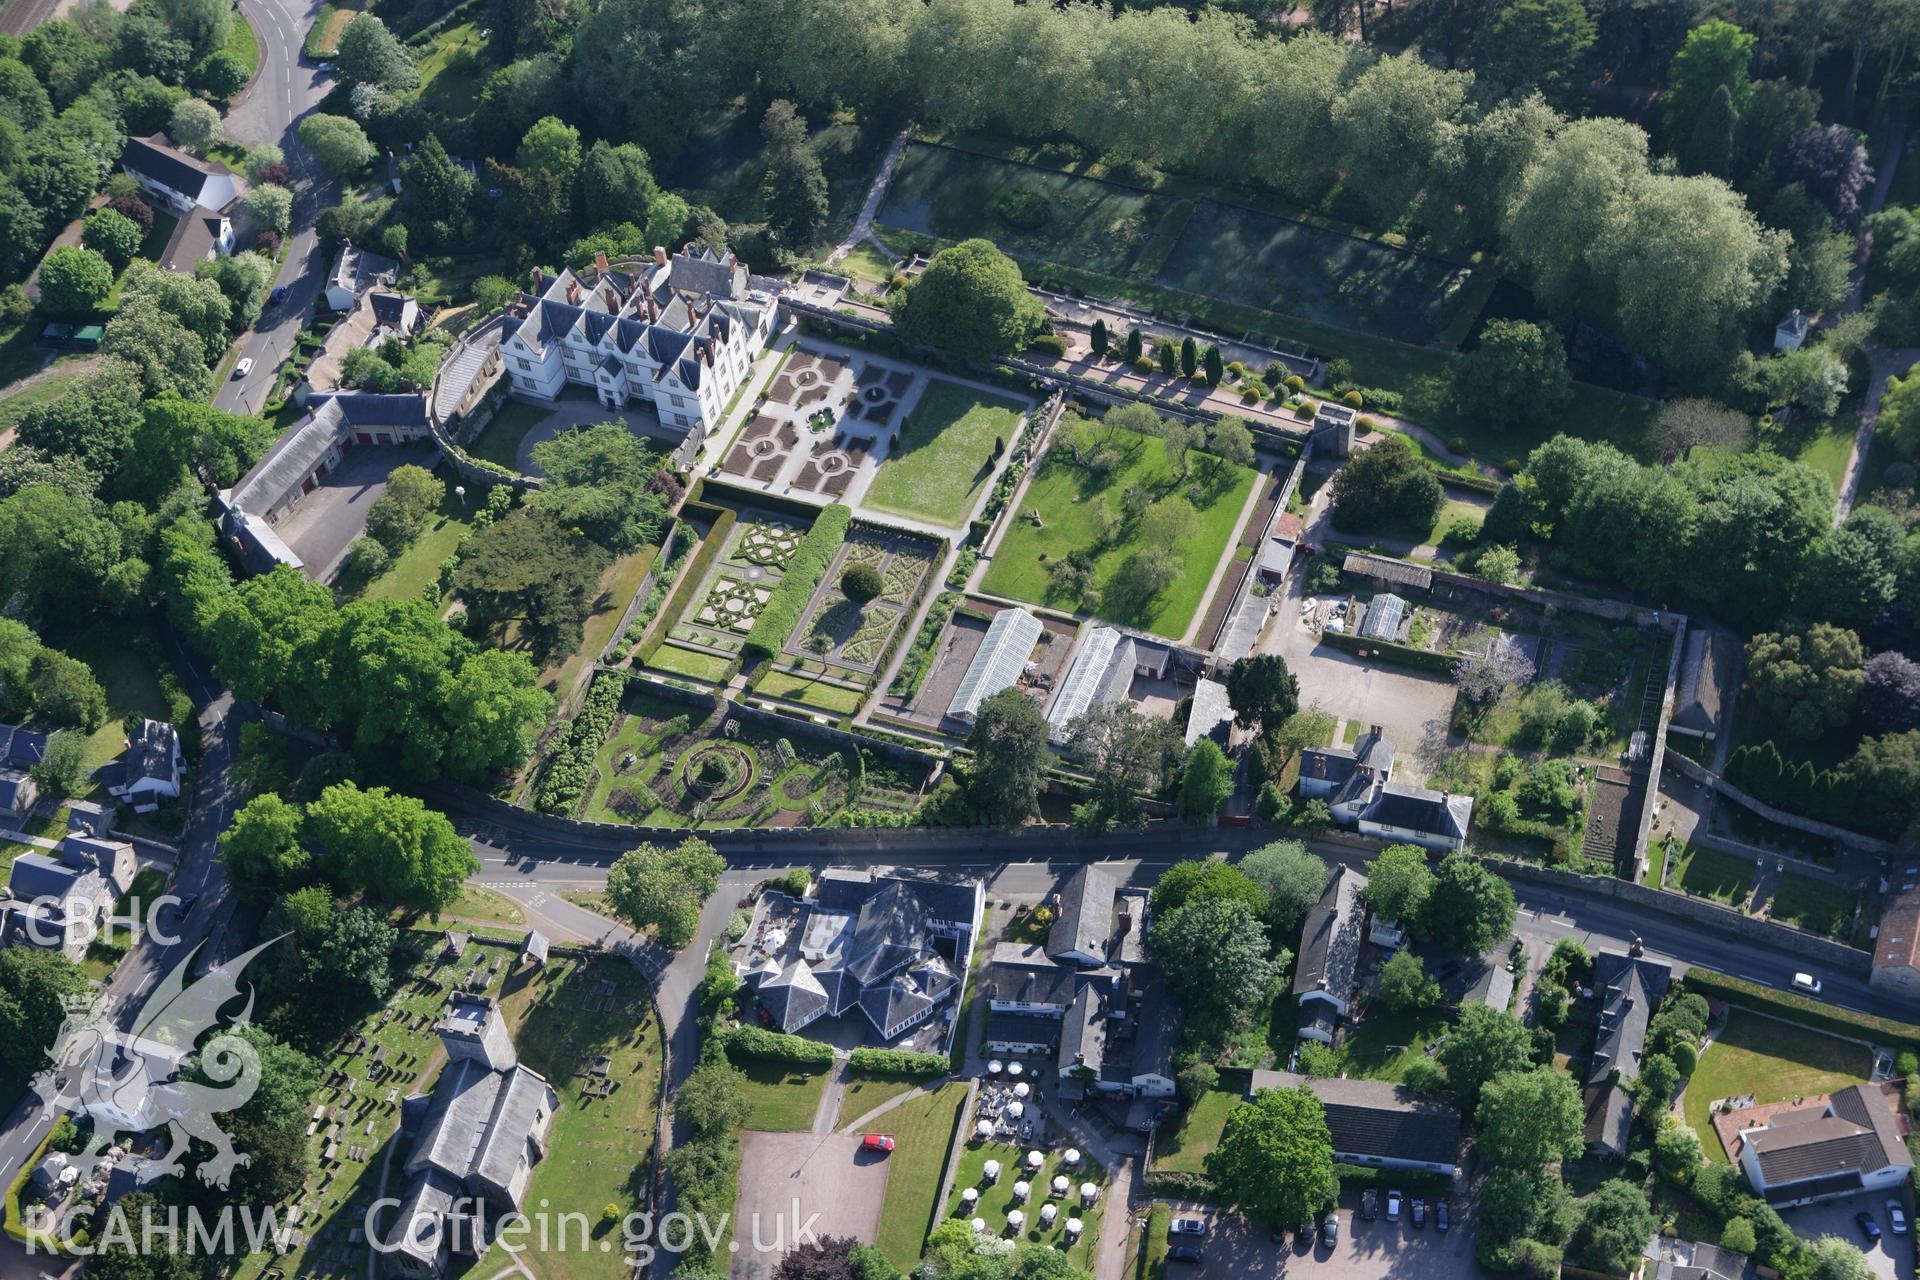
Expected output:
(679, 333)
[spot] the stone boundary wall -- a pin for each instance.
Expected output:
(1699, 773)
(1656, 753)
(647, 584)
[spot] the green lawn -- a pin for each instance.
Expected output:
(1187, 1148)
(997, 1198)
(1450, 510)
(599, 1151)
(475, 903)
(1385, 1044)
(923, 1131)
(50, 388)
(944, 455)
(499, 441)
(407, 577)
(1064, 495)
(1771, 1060)
(131, 685)
(1813, 904)
(813, 692)
(452, 69)
(1154, 1258)
(674, 660)
(1708, 873)
(154, 247)
(784, 1098)
(864, 1093)
(1828, 449)
(866, 263)
(242, 43)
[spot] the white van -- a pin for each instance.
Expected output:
(1806, 982)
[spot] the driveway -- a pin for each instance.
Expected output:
(1891, 1258)
(1377, 1250)
(820, 1181)
(326, 521)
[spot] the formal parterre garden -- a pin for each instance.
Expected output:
(705, 641)
(672, 764)
(832, 658)
(1059, 514)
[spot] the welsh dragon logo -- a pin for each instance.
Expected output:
(124, 1080)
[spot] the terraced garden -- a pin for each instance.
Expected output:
(705, 640)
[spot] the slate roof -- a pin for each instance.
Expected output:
(697, 269)
(356, 270)
(1411, 808)
(1629, 989)
(166, 164)
(1898, 942)
(1706, 673)
(1342, 766)
(1085, 922)
(907, 995)
(890, 931)
(1026, 974)
(1853, 1135)
(480, 1122)
(793, 995)
(1208, 711)
(1022, 1028)
(1332, 938)
(1377, 1118)
(21, 748)
(36, 875)
(150, 752)
(390, 309)
(1384, 569)
(1082, 1038)
(14, 787)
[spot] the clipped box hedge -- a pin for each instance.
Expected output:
(771, 1046)
(691, 577)
(1403, 654)
(898, 1062)
(802, 574)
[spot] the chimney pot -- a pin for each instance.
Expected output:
(660, 254)
(600, 260)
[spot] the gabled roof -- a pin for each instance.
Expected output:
(1899, 940)
(15, 786)
(907, 995)
(1386, 569)
(159, 160)
(1026, 974)
(1409, 808)
(150, 752)
(1706, 674)
(1331, 939)
(1376, 1118)
(390, 309)
(370, 409)
(1629, 989)
(1085, 922)
(21, 748)
(699, 270)
(1208, 711)
(35, 875)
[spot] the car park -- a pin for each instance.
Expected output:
(1188, 1227)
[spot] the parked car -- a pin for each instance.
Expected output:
(1370, 1204)
(877, 1142)
(1188, 1227)
(1896, 1218)
(1330, 1230)
(1806, 982)
(1393, 1206)
(242, 369)
(279, 294)
(1419, 1212)
(1185, 1253)
(1304, 1233)
(1868, 1227)
(1440, 1221)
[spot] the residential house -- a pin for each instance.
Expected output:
(301, 459)
(1325, 973)
(1377, 1123)
(1083, 929)
(149, 771)
(478, 1137)
(1791, 333)
(378, 317)
(1629, 989)
(891, 945)
(1896, 946)
(1848, 1144)
(1116, 1040)
(676, 333)
(356, 273)
(998, 663)
(1357, 784)
(176, 180)
(61, 902)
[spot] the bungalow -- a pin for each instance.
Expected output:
(150, 769)
(1330, 945)
(1377, 1123)
(1848, 1144)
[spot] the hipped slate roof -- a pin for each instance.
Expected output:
(1410, 808)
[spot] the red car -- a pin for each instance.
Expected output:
(877, 1142)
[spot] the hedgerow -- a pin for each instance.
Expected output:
(771, 1046)
(803, 573)
(897, 1062)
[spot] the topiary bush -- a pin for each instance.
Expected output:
(1353, 400)
(1024, 208)
(862, 582)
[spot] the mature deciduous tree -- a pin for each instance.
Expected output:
(1469, 905)
(1010, 758)
(1275, 1158)
(1216, 951)
(970, 301)
(1528, 1119)
(1262, 691)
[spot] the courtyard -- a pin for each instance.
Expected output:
(879, 435)
(1071, 507)
(326, 519)
(508, 437)
(1376, 1250)
(787, 1179)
